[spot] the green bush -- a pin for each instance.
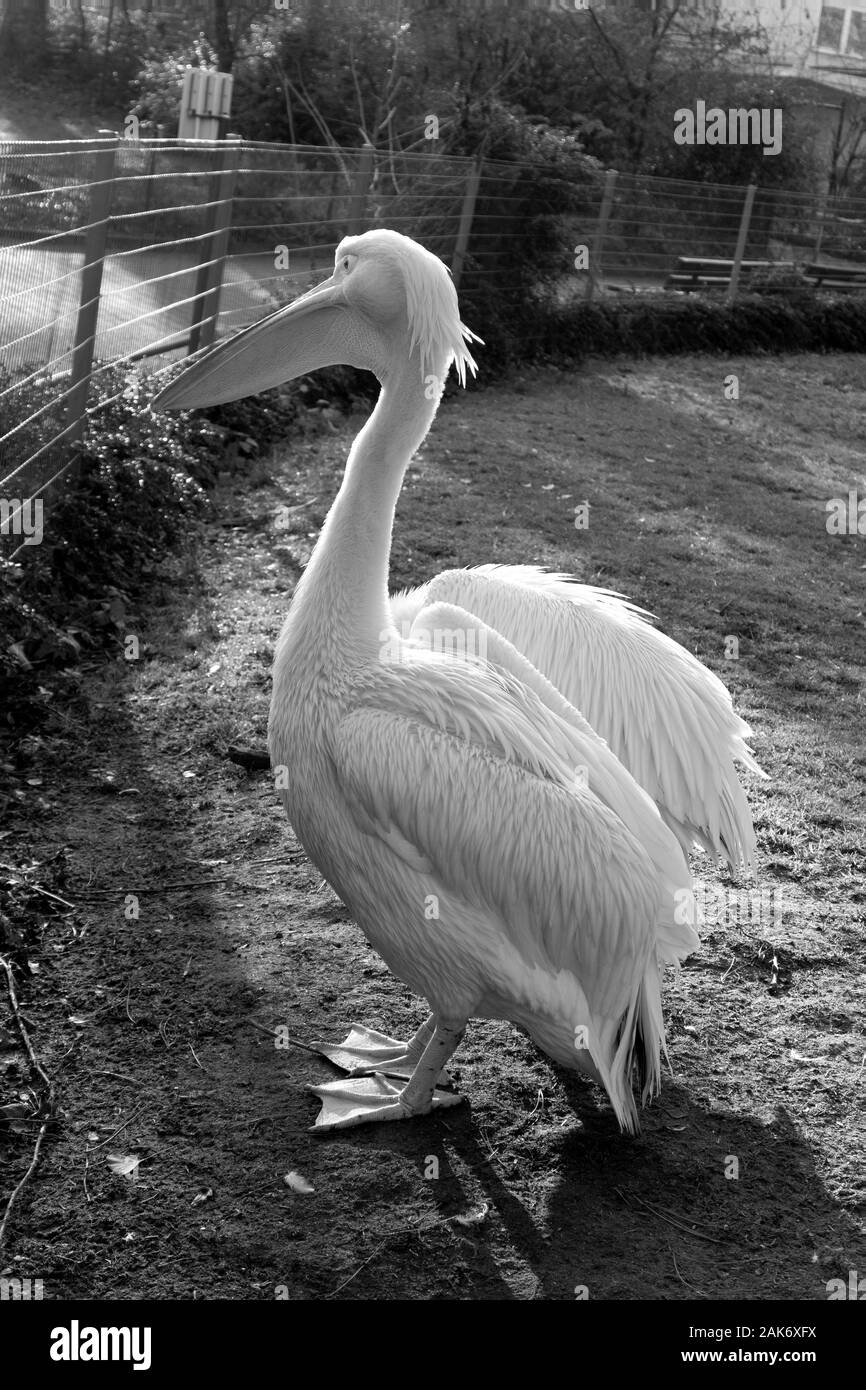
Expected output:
(105, 530)
(140, 483)
(537, 197)
(811, 322)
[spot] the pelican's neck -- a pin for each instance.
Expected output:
(345, 586)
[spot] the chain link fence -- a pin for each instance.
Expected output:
(115, 251)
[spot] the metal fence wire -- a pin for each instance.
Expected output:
(115, 251)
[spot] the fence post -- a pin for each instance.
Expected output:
(821, 219)
(600, 233)
(360, 188)
(467, 212)
(743, 233)
(209, 276)
(95, 242)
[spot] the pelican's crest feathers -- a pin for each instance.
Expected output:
(431, 303)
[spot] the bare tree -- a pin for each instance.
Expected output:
(848, 144)
(645, 60)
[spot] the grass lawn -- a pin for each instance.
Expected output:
(747, 1180)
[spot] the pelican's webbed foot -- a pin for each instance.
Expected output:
(369, 1098)
(365, 1051)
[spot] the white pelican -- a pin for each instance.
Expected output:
(482, 819)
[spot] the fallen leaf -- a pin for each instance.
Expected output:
(298, 1183)
(125, 1165)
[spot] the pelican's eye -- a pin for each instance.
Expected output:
(346, 262)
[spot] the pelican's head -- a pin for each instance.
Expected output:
(387, 297)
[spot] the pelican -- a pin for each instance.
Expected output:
(506, 812)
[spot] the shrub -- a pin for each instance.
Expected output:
(809, 322)
(140, 482)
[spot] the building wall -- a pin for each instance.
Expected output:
(791, 26)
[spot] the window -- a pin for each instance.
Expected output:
(830, 29)
(857, 34)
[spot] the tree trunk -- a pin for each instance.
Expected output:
(221, 35)
(23, 29)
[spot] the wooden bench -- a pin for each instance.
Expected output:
(706, 272)
(836, 277)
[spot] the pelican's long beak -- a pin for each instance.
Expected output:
(301, 337)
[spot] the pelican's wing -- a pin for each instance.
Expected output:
(666, 716)
(471, 782)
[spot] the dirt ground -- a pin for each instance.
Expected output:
(747, 1180)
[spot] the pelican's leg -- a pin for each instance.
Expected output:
(365, 1051)
(369, 1098)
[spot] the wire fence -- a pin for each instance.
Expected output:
(115, 251)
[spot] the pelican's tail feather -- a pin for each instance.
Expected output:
(614, 1052)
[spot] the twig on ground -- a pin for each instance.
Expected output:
(199, 1064)
(134, 1116)
(35, 888)
(671, 1220)
(19, 1188)
(155, 888)
(683, 1281)
(47, 1102)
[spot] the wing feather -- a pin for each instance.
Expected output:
(667, 717)
(466, 771)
